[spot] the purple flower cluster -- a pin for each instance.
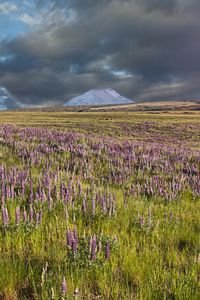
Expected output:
(81, 172)
(93, 247)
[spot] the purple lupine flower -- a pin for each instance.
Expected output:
(31, 214)
(107, 250)
(74, 246)
(93, 206)
(25, 215)
(93, 248)
(23, 188)
(75, 234)
(61, 190)
(17, 215)
(79, 189)
(64, 286)
(49, 193)
(31, 198)
(3, 194)
(69, 238)
(66, 200)
(5, 217)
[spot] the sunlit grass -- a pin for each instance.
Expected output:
(155, 243)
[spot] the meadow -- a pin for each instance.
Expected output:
(100, 205)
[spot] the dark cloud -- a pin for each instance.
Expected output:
(145, 49)
(163, 5)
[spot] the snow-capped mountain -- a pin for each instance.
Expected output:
(98, 97)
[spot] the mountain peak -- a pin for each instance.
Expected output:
(98, 97)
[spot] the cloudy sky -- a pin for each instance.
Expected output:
(51, 51)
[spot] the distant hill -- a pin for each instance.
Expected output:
(98, 97)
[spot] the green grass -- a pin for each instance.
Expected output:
(175, 127)
(160, 260)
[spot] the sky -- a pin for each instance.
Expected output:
(51, 51)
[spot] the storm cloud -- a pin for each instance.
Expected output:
(145, 49)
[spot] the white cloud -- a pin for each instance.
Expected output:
(6, 8)
(122, 74)
(29, 20)
(46, 18)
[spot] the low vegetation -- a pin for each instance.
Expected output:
(99, 206)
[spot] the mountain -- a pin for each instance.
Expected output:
(98, 97)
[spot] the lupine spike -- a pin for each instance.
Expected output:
(31, 214)
(64, 286)
(74, 246)
(93, 248)
(93, 206)
(25, 215)
(69, 238)
(107, 250)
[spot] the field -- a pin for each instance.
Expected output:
(100, 205)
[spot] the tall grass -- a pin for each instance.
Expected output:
(153, 235)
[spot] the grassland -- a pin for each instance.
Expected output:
(174, 127)
(100, 205)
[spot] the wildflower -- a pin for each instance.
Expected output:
(5, 217)
(107, 250)
(25, 215)
(93, 248)
(74, 246)
(75, 234)
(69, 238)
(64, 286)
(93, 207)
(31, 214)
